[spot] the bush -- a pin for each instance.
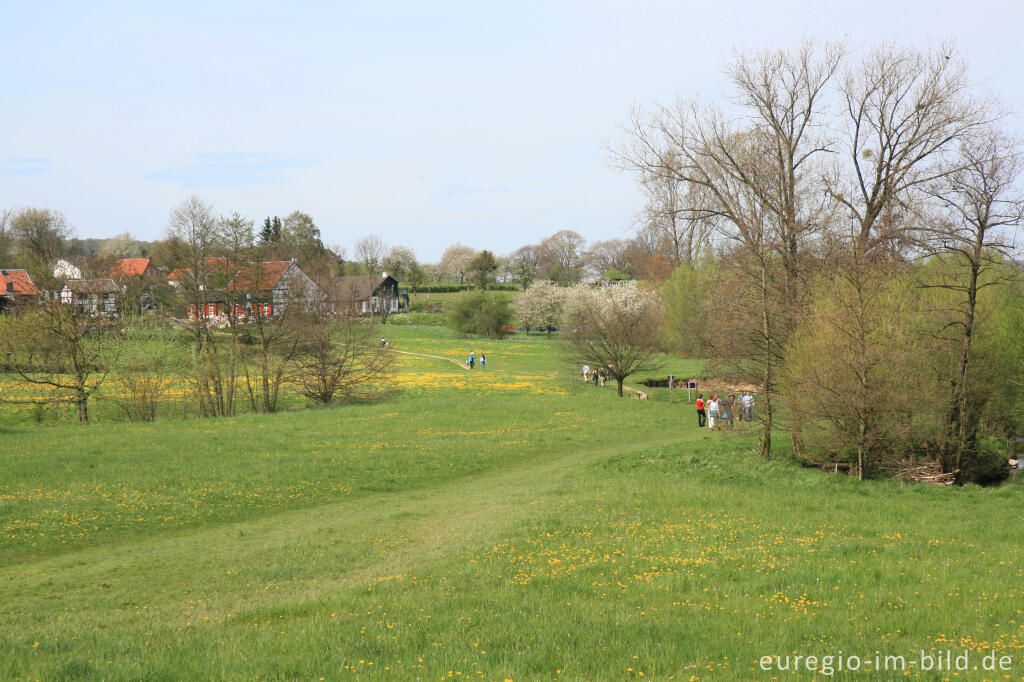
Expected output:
(987, 464)
(481, 312)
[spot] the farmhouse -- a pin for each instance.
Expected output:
(219, 272)
(95, 296)
(268, 287)
(212, 304)
(370, 294)
(16, 287)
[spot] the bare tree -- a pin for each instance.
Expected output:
(671, 219)
(905, 111)
(6, 239)
(610, 254)
(39, 235)
(561, 256)
(400, 262)
(455, 261)
(370, 252)
(759, 180)
(122, 245)
(195, 234)
(339, 359)
(61, 348)
(979, 203)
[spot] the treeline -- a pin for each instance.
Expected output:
(36, 238)
(847, 221)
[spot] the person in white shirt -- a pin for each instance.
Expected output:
(712, 411)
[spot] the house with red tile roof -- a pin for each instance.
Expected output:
(268, 287)
(16, 287)
(133, 267)
(220, 271)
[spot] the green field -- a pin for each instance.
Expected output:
(506, 524)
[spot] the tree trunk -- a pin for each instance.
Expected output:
(963, 429)
(861, 441)
(618, 380)
(766, 331)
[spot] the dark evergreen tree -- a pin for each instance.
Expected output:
(266, 232)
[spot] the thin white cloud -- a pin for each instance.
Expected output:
(25, 166)
(230, 169)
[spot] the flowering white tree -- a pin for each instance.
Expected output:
(540, 305)
(614, 326)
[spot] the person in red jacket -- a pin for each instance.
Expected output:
(700, 410)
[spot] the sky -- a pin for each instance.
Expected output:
(425, 123)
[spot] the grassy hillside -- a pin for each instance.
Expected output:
(507, 524)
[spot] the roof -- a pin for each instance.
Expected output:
(17, 282)
(178, 273)
(262, 276)
(225, 265)
(360, 287)
(131, 267)
(104, 285)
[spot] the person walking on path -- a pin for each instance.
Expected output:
(483, 361)
(729, 410)
(712, 411)
(701, 416)
(586, 372)
(472, 359)
(748, 405)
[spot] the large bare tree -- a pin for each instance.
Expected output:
(561, 256)
(756, 173)
(195, 233)
(905, 112)
(980, 204)
(370, 251)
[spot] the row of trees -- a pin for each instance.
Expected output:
(257, 347)
(843, 230)
(265, 338)
(35, 238)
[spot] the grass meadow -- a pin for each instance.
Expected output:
(510, 524)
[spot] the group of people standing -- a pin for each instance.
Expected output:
(471, 362)
(716, 410)
(599, 376)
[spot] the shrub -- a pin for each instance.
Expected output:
(481, 312)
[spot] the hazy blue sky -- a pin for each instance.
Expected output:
(424, 123)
